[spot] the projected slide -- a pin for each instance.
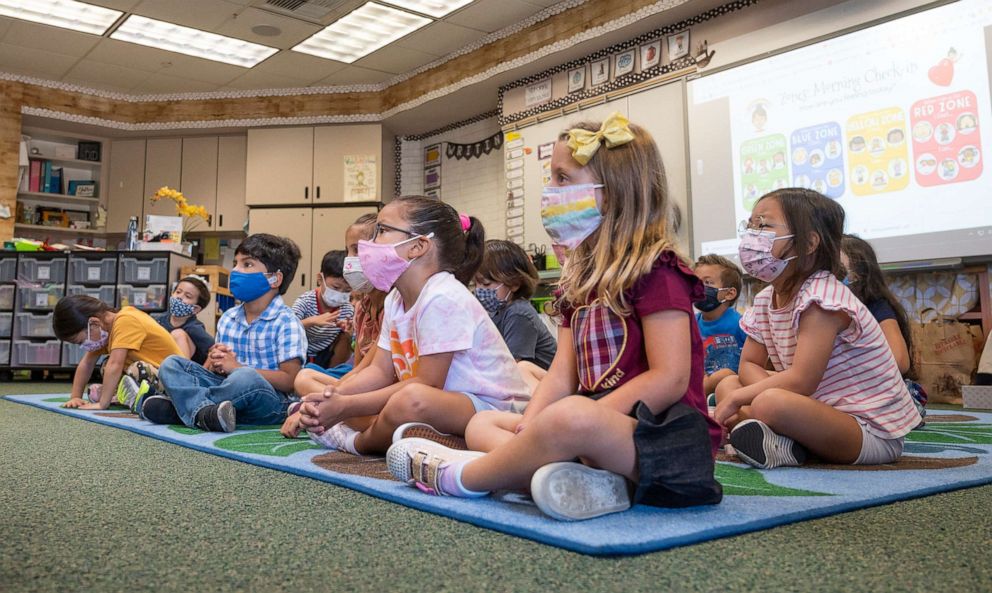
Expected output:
(888, 121)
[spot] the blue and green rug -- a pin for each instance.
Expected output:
(954, 451)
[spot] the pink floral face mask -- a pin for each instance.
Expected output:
(381, 264)
(756, 254)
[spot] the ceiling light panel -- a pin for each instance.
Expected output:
(192, 42)
(361, 32)
(434, 8)
(67, 14)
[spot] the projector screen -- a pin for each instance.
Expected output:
(892, 121)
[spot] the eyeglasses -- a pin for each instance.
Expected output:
(379, 227)
(755, 223)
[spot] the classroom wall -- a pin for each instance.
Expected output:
(474, 186)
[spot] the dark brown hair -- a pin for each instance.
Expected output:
(508, 263)
(730, 274)
(808, 214)
(201, 287)
(459, 251)
(72, 314)
(868, 283)
(279, 254)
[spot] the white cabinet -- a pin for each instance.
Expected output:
(314, 230)
(306, 166)
(126, 183)
(230, 213)
(163, 168)
(199, 174)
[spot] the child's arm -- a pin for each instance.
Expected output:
(83, 373)
(282, 380)
(754, 355)
(561, 380)
(818, 329)
(897, 343)
(341, 349)
(112, 371)
(667, 343)
(711, 381)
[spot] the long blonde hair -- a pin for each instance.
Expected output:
(639, 223)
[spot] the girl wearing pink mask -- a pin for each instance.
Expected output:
(620, 418)
(439, 358)
(836, 391)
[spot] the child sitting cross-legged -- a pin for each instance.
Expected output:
(189, 297)
(249, 372)
(440, 359)
(719, 323)
(624, 393)
(836, 391)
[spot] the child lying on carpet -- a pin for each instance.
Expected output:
(628, 346)
(440, 358)
(837, 391)
(126, 336)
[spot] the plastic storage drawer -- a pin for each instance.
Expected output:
(6, 323)
(6, 297)
(104, 293)
(72, 354)
(147, 298)
(40, 298)
(144, 271)
(34, 326)
(93, 271)
(41, 270)
(8, 270)
(4, 353)
(36, 353)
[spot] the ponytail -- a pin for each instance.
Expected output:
(459, 249)
(475, 246)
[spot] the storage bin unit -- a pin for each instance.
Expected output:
(147, 298)
(6, 324)
(85, 270)
(144, 271)
(27, 353)
(41, 270)
(72, 354)
(40, 299)
(8, 268)
(30, 325)
(4, 353)
(106, 294)
(6, 297)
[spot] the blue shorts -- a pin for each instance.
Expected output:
(480, 404)
(337, 372)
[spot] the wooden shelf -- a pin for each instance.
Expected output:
(35, 195)
(66, 161)
(56, 229)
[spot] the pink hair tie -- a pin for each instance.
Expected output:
(466, 222)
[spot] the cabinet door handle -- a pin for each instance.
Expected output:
(306, 193)
(303, 280)
(220, 220)
(318, 192)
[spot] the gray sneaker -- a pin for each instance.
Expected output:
(570, 491)
(219, 418)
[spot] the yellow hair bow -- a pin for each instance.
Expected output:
(584, 144)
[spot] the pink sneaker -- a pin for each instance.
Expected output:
(93, 391)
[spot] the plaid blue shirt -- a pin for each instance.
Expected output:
(274, 337)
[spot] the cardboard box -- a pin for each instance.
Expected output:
(977, 397)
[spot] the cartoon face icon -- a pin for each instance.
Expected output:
(966, 123)
(895, 136)
(926, 163)
(968, 156)
(922, 131)
(945, 133)
(877, 145)
(857, 144)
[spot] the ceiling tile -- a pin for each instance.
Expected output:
(122, 53)
(161, 83)
(123, 5)
(440, 38)
(394, 59)
(34, 62)
(5, 24)
(302, 67)
(91, 73)
(217, 73)
(205, 15)
(54, 39)
(293, 30)
(492, 15)
(264, 80)
(354, 75)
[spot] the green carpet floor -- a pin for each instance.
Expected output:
(92, 508)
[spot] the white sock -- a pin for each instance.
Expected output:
(350, 434)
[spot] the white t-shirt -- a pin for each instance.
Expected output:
(448, 318)
(862, 378)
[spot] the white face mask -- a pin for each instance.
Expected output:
(334, 298)
(354, 275)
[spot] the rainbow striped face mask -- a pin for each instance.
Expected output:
(570, 213)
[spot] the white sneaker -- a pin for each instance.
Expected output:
(335, 437)
(422, 430)
(408, 459)
(570, 491)
(760, 446)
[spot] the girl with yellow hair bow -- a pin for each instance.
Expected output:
(624, 392)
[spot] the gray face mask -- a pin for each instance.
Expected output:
(354, 275)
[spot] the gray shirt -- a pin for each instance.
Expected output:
(525, 334)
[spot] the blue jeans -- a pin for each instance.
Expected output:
(193, 388)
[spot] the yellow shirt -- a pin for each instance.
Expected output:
(141, 336)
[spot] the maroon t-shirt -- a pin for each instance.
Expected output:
(610, 349)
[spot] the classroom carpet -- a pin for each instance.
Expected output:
(953, 451)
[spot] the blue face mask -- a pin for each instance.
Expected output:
(846, 281)
(180, 308)
(711, 301)
(490, 302)
(250, 286)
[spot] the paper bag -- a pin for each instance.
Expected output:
(945, 358)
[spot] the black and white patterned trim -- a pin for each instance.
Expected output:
(617, 83)
(398, 166)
